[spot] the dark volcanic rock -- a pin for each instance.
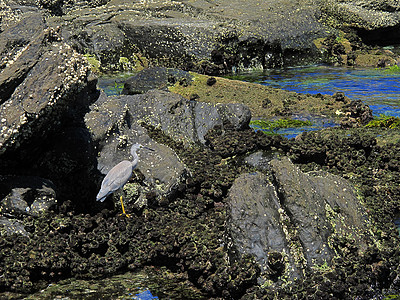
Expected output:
(193, 198)
(207, 37)
(41, 84)
(320, 204)
(179, 118)
(295, 218)
(23, 39)
(56, 7)
(212, 38)
(155, 78)
(255, 223)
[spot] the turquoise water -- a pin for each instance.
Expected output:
(379, 88)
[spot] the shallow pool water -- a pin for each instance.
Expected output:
(112, 85)
(379, 88)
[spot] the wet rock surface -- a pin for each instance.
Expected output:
(254, 224)
(294, 216)
(155, 78)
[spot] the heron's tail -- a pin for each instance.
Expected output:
(101, 196)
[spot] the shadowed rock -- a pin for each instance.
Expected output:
(27, 195)
(40, 86)
(45, 87)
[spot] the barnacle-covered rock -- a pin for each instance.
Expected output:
(204, 36)
(40, 82)
(376, 21)
(45, 86)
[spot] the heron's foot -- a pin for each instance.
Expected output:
(123, 209)
(125, 214)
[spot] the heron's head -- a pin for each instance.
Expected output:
(134, 148)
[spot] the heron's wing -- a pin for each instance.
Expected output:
(115, 179)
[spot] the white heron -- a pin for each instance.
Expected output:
(119, 175)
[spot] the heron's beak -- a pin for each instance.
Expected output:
(144, 147)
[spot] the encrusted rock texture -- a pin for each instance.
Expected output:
(216, 209)
(216, 37)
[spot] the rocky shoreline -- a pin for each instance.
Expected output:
(218, 211)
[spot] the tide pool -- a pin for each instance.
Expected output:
(379, 88)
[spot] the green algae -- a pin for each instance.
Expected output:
(270, 127)
(391, 297)
(134, 63)
(94, 63)
(118, 87)
(392, 69)
(322, 268)
(384, 121)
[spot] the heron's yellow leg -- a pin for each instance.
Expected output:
(123, 208)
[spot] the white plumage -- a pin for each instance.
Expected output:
(119, 174)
